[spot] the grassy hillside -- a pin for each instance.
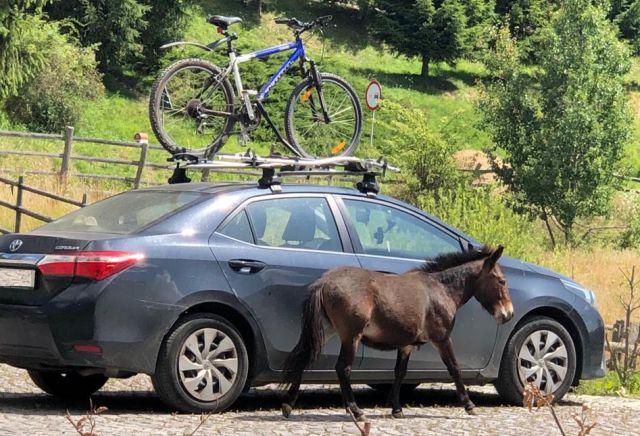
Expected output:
(446, 96)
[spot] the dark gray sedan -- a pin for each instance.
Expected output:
(201, 287)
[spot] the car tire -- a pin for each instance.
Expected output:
(542, 352)
(67, 384)
(194, 374)
(386, 387)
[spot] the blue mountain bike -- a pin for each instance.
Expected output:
(194, 108)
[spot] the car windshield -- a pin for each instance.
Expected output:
(125, 213)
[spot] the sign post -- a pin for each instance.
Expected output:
(373, 95)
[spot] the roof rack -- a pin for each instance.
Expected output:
(275, 167)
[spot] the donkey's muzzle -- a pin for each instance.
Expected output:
(504, 313)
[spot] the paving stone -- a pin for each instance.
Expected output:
(430, 410)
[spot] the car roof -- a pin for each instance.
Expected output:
(252, 187)
(218, 188)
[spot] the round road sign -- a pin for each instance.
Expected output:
(373, 95)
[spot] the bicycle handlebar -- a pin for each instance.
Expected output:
(300, 26)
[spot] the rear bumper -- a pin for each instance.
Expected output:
(25, 338)
(128, 333)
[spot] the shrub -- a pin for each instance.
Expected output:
(484, 214)
(425, 157)
(51, 98)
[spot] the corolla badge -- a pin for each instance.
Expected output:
(15, 245)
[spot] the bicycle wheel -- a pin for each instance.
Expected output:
(190, 107)
(305, 125)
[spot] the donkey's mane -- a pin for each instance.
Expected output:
(450, 260)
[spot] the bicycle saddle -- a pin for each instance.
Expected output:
(222, 21)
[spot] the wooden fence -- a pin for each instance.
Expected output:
(19, 208)
(68, 155)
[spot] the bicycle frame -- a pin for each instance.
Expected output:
(233, 69)
(299, 53)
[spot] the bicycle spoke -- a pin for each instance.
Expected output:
(194, 93)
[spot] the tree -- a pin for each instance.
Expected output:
(525, 17)
(628, 20)
(115, 26)
(562, 125)
(481, 19)
(167, 22)
(53, 97)
(417, 28)
(20, 43)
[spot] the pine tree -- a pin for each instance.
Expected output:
(20, 31)
(430, 31)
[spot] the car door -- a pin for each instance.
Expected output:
(392, 239)
(270, 249)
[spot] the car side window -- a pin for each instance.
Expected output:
(238, 228)
(305, 223)
(387, 231)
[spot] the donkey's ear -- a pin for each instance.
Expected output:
(490, 261)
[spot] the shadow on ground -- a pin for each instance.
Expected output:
(144, 402)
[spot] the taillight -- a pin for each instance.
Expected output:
(95, 265)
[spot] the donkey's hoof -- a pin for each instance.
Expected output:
(286, 410)
(471, 411)
(361, 417)
(397, 414)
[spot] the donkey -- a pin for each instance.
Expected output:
(388, 312)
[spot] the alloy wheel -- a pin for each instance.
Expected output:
(543, 360)
(208, 364)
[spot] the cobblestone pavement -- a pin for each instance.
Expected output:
(133, 409)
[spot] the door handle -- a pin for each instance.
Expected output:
(246, 266)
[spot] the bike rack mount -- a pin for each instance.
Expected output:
(276, 167)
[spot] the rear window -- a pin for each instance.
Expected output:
(125, 213)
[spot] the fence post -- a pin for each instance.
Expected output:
(144, 148)
(19, 204)
(66, 154)
(84, 200)
(205, 175)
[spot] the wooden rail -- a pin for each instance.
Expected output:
(68, 156)
(20, 210)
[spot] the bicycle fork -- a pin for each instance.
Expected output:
(316, 80)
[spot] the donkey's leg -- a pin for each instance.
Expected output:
(449, 359)
(343, 369)
(291, 398)
(402, 361)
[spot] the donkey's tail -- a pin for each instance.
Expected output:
(311, 338)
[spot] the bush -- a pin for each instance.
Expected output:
(484, 214)
(51, 98)
(425, 157)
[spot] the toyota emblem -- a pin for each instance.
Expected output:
(15, 245)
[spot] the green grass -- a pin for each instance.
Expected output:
(447, 97)
(609, 385)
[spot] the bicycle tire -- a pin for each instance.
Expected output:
(306, 150)
(158, 99)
